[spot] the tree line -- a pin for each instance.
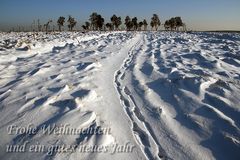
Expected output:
(97, 23)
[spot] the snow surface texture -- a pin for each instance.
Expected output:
(170, 95)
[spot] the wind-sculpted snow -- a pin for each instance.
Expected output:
(167, 95)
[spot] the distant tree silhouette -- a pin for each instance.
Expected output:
(100, 22)
(155, 21)
(86, 26)
(113, 20)
(179, 22)
(47, 25)
(174, 24)
(145, 24)
(71, 23)
(60, 22)
(119, 22)
(152, 25)
(109, 26)
(116, 21)
(167, 25)
(33, 26)
(140, 24)
(96, 21)
(135, 23)
(93, 20)
(39, 25)
(127, 23)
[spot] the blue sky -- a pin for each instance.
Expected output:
(197, 14)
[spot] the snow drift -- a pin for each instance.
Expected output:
(147, 95)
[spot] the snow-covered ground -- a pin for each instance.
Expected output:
(123, 95)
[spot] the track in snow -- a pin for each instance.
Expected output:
(141, 129)
(178, 92)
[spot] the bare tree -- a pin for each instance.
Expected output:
(155, 21)
(135, 23)
(174, 24)
(86, 26)
(100, 22)
(116, 21)
(152, 25)
(109, 26)
(97, 21)
(47, 25)
(33, 26)
(145, 24)
(60, 22)
(39, 25)
(140, 24)
(167, 25)
(128, 23)
(72, 23)
(179, 22)
(93, 20)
